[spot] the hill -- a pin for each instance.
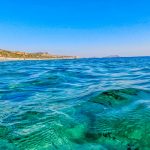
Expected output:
(5, 54)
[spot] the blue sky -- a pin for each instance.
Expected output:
(76, 27)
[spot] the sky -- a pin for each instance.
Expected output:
(85, 28)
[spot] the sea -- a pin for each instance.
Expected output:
(78, 104)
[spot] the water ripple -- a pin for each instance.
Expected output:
(75, 104)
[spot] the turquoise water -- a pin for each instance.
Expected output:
(82, 104)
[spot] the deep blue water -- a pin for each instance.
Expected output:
(81, 104)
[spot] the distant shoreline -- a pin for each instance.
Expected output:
(6, 55)
(24, 59)
(67, 58)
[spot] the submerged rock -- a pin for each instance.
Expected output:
(112, 98)
(5, 145)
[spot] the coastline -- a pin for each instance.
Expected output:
(6, 55)
(2, 59)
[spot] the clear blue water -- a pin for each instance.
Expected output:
(82, 104)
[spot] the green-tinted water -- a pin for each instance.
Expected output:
(91, 104)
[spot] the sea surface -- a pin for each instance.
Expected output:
(81, 104)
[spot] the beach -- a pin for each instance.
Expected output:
(22, 59)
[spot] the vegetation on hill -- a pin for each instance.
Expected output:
(24, 55)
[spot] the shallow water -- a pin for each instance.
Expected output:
(90, 104)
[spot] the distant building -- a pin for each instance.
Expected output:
(20, 53)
